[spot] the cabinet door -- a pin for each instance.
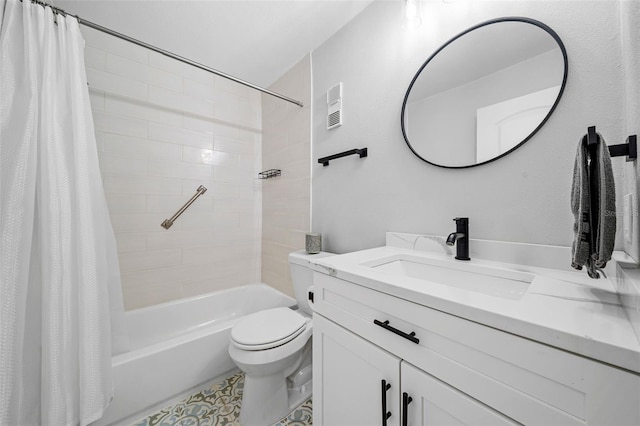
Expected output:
(347, 379)
(435, 403)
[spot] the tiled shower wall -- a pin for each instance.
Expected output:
(286, 200)
(164, 128)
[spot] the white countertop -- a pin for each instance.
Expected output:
(561, 308)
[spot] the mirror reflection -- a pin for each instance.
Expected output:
(484, 93)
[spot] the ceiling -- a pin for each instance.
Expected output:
(254, 40)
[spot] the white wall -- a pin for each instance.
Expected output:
(630, 30)
(286, 200)
(522, 197)
(629, 285)
(164, 128)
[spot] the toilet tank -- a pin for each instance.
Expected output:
(302, 276)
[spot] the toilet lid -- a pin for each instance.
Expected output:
(268, 329)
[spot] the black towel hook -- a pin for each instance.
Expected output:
(630, 148)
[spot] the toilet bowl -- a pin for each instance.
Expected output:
(273, 349)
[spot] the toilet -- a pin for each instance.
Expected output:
(273, 349)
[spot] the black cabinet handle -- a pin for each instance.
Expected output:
(406, 400)
(411, 336)
(385, 414)
(310, 296)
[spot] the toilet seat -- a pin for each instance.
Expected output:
(267, 329)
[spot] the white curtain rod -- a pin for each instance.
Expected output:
(166, 53)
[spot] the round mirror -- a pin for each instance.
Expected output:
(484, 93)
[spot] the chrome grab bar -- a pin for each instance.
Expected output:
(168, 222)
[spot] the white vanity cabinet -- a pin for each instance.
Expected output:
(357, 383)
(428, 401)
(455, 371)
(354, 380)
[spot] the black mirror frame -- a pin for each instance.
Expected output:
(539, 24)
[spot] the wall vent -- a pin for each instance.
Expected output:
(334, 103)
(334, 120)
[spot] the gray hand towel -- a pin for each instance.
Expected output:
(581, 208)
(594, 232)
(606, 228)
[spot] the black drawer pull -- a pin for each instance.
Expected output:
(385, 414)
(406, 400)
(411, 336)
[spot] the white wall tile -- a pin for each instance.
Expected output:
(132, 147)
(122, 166)
(177, 101)
(196, 155)
(236, 205)
(150, 294)
(159, 140)
(114, 45)
(198, 107)
(123, 223)
(206, 254)
(97, 99)
(144, 110)
(180, 135)
(184, 239)
(171, 203)
(285, 200)
(230, 174)
(176, 274)
(131, 242)
(148, 259)
(165, 79)
(187, 71)
(208, 125)
(123, 146)
(210, 156)
(194, 288)
(119, 203)
(168, 99)
(200, 90)
(226, 86)
(178, 169)
(95, 58)
(120, 125)
(235, 146)
(156, 60)
(142, 185)
(249, 135)
(132, 280)
(195, 220)
(128, 68)
(220, 190)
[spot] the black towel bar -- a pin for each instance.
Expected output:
(630, 148)
(362, 152)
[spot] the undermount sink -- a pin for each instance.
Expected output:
(504, 283)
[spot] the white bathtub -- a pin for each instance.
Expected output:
(179, 345)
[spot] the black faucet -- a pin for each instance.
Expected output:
(461, 237)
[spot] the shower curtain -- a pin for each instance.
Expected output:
(59, 276)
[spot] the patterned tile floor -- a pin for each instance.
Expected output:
(218, 405)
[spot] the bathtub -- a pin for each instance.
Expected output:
(179, 345)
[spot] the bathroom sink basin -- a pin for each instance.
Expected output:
(504, 283)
